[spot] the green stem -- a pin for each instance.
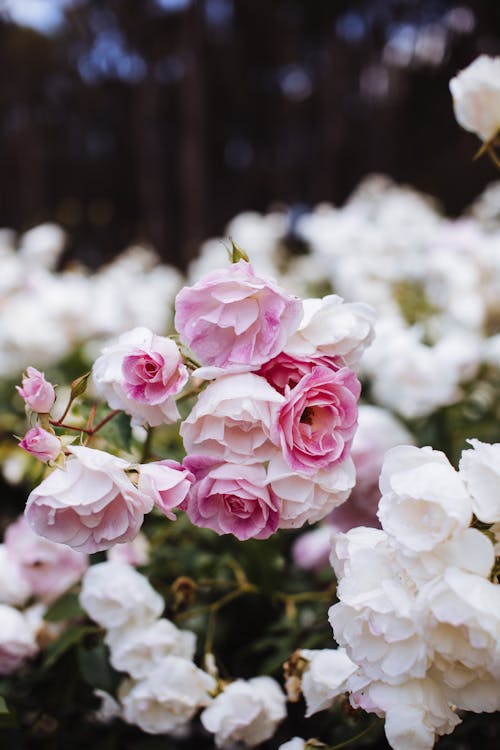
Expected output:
(349, 741)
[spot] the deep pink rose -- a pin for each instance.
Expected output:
(166, 483)
(90, 504)
(234, 320)
(42, 444)
(231, 499)
(49, 568)
(284, 370)
(37, 392)
(152, 375)
(317, 423)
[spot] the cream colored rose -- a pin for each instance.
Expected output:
(476, 97)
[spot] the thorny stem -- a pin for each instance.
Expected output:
(86, 430)
(493, 155)
(146, 446)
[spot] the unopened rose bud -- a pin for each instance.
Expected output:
(42, 444)
(37, 392)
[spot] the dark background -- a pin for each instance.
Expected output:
(159, 120)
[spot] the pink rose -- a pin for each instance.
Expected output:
(284, 370)
(234, 320)
(89, 505)
(232, 420)
(42, 444)
(152, 376)
(166, 483)
(134, 553)
(316, 424)
(140, 374)
(37, 392)
(231, 499)
(49, 568)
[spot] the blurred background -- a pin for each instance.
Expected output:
(158, 121)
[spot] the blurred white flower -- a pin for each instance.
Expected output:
(168, 697)
(476, 97)
(115, 595)
(246, 712)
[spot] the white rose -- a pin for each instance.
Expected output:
(424, 500)
(246, 712)
(325, 677)
(469, 550)
(476, 97)
(168, 697)
(377, 619)
(333, 328)
(416, 712)
(309, 498)
(344, 545)
(14, 588)
(480, 470)
(232, 420)
(463, 624)
(115, 595)
(137, 650)
(17, 641)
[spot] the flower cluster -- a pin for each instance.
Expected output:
(268, 439)
(164, 688)
(418, 617)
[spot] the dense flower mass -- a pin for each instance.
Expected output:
(245, 424)
(418, 614)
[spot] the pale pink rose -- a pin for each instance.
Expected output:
(166, 483)
(311, 550)
(232, 420)
(49, 568)
(90, 504)
(309, 498)
(234, 320)
(17, 641)
(284, 370)
(134, 553)
(231, 499)
(141, 374)
(41, 444)
(150, 376)
(37, 392)
(317, 423)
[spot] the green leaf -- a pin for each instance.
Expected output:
(70, 638)
(95, 668)
(64, 608)
(3, 707)
(118, 431)
(79, 386)
(238, 253)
